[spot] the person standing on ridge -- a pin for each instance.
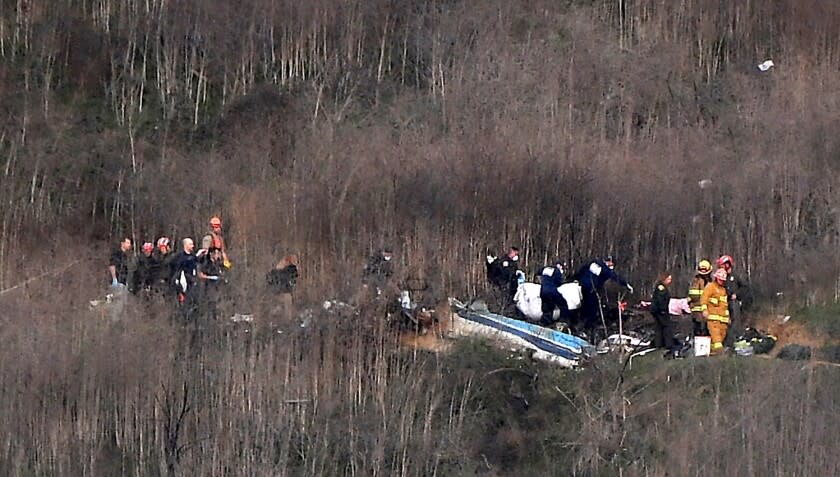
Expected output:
(119, 264)
(145, 272)
(715, 300)
(501, 273)
(378, 271)
(185, 278)
(215, 239)
(164, 270)
(592, 277)
(210, 270)
(738, 295)
(695, 292)
(659, 309)
(282, 280)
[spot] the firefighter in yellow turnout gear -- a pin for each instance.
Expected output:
(715, 303)
(695, 293)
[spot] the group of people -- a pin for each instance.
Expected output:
(504, 274)
(715, 300)
(189, 277)
(715, 297)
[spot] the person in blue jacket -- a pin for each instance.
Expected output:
(592, 278)
(551, 277)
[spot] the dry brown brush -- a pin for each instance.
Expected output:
(330, 128)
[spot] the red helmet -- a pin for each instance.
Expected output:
(724, 259)
(720, 274)
(163, 242)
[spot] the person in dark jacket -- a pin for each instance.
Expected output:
(592, 278)
(282, 280)
(145, 271)
(501, 273)
(210, 269)
(739, 297)
(378, 270)
(185, 278)
(659, 309)
(283, 277)
(164, 267)
(551, 278)
(119, 264)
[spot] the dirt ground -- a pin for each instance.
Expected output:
(786, 332)
(433, 339)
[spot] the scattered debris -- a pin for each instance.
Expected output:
(795, 352)
(242, 318)
(766, 65)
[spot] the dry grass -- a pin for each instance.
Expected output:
(330, 128)
(346, 396)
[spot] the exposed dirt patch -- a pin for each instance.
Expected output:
(434, 338)
(787, 332)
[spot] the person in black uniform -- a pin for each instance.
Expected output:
(739, 298)
(501, 273)
(145, 272)
(282, 280)
(210, 270)
(659, 308)
(119, 263)
(185, 279)
(378, 271)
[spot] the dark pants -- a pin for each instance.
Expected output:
(664, 337)
(187, 306)
(502, 298)
(700, 327)
(211, 300)
(590, 313)
(735, 325)
(590, 308)
(550, 301)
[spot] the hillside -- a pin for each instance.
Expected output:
(445, 130)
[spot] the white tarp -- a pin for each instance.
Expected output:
(527, 299)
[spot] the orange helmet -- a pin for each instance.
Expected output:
(720, 274)
(215, 221)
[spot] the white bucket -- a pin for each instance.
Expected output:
(702, 345)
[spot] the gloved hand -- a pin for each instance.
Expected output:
(630, 288)
(114, 283)
(213, 277)
(227, 264)
(491, 259)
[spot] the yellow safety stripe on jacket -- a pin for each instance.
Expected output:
(698, 308)
(717, 345)
(694, 295)
(720, 318)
